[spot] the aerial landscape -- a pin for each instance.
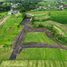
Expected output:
(33, 33)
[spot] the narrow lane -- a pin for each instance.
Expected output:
(17, 44)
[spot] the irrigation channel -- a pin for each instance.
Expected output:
(18, 46)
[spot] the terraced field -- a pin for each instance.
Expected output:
(34, 63)
(33, 55)
(5, 53)
(53, 20)
(38, 37)
(9, 30)
(8, 33)
(43, 54)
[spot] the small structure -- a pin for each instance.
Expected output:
(14, 9)
(60, 6)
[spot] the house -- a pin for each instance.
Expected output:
(14, 9)
(65, 6)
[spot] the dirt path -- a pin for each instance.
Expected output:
(18, 43)
(42, 45)
(4, 20)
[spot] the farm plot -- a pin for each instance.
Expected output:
(5, 53)
(39, 37)
(56, 22)
(40, 16)
(43, 54)
(50, 23)
(9, 30)
(34, 63)
(59, 16)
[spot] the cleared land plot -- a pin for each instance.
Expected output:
(34, 63)
(43, 54)
(38, 37)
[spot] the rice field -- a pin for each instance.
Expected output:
(39, 37)
(34, 63)
(59, 16)
(9, 30)
(43, 54)
(55, 19)
(5, 53)
(34, 57)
